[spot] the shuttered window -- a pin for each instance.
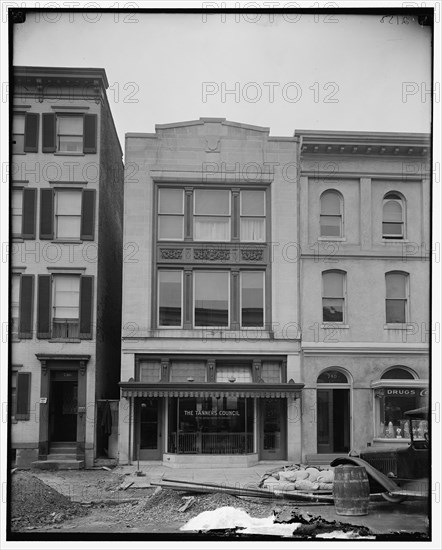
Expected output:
(14, 306)
(67, 214)
(26, 306)
(18, 133)
(31, 132)
(69, 133)
(65, 306)
(16, 211)
(21, 393)
(23, 213)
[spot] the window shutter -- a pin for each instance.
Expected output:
(49, 133)
(29, 213)
(23, 395)
(88, 215)
(86, 306)
(46, 214)
(31, 133)
(44, 307)
(90, 134)
(26, 306)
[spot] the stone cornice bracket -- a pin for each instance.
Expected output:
(44, 367)
(39, 86)
(83, 367)
(97, 91)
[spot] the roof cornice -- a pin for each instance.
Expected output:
(65, 74)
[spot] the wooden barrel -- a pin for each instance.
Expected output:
(351, 491)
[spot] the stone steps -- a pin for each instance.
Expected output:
(70, 464)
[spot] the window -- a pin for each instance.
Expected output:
(331, 214)
(396, 300)
(18, 133)
(271, 372)
(234, 373)
(333, 297)
(21, 306)
(67, 214)
(211, 302)
(253, 216)
(393, 217)
(15, 305)
(170, 298)
(188, 371)
(332, 376)
(150, 371)
(17, 212)
(252, 299)
(69, 133)
(171, 214)
(211, 215)
(20, 395)
(65, 306)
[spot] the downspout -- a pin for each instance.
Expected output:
(129, 454)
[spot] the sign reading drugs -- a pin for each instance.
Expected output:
(406, 392)
(212, 413)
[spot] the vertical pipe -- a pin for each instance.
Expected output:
(177, 424)
(129, 454)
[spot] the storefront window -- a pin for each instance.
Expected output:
(393, 403)
(212, 425)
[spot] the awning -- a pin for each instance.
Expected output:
(262, 390)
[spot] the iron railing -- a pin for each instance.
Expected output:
(211, 443)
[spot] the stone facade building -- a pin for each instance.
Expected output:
(66, 265)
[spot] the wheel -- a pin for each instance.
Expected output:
(396, 499)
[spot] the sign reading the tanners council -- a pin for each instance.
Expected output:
(211, 413)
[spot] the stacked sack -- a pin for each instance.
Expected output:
(300, 479)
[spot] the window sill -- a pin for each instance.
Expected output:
(67, 154)
(15, 153)
(68, 340)
(391, 439)
(17, 239)
(341, 239)
(334, 326)
(397, 326)
(394, 241)
(66, 241)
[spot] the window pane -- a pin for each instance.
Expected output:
(397, 373)
(333, 284)
(392, 212)
(212, 202)
(332, 310)
(18, 124)
(16, 211)
(253, 229)
(271, 372)
(396, 311)
(66, 297)
(171, 201)
(70, 144)
(252, 203)
(150, 371)
(330, 226)
(211, 299)
(241, 373)
(169, 298)
(332, 377)
(171, 227)
(18, 143)
(69, 202)
(212, 229)
(395, 285)
(330, 204)
(394, 229)
(180, 371)
(252, 299)
(70, 125)
(68, 227)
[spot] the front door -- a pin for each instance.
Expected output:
(63, 410)
(150, 432)
(273, 429)
(333, 426)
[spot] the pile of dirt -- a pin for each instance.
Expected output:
(33, 503)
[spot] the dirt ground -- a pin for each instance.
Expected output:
(98, 501)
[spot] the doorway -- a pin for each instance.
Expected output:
(273, 429)
(333, 425)
(63, 406)
(149, 419)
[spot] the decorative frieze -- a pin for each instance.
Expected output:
(171, 253)
(252, 254)
(211, 254)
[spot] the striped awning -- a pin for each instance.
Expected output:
(141, 389)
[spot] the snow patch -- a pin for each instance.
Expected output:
(228, 517)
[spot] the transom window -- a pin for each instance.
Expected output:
(396, 297)
(333, 296)
(70, 134)
(211, 215)
(18, 133)
(393, 217)
(397, 373)
(68, 213)
(332, 376)
(331, 214)
(234, 373)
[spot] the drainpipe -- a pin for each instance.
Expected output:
(129, 454)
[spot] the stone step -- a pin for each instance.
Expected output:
(58, 464)
(63, 450)
(62, 456)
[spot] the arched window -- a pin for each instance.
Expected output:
(393, 217)
(331, 214)
(332, 376)
(397, 373)
(396, 302)
(333, 296)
